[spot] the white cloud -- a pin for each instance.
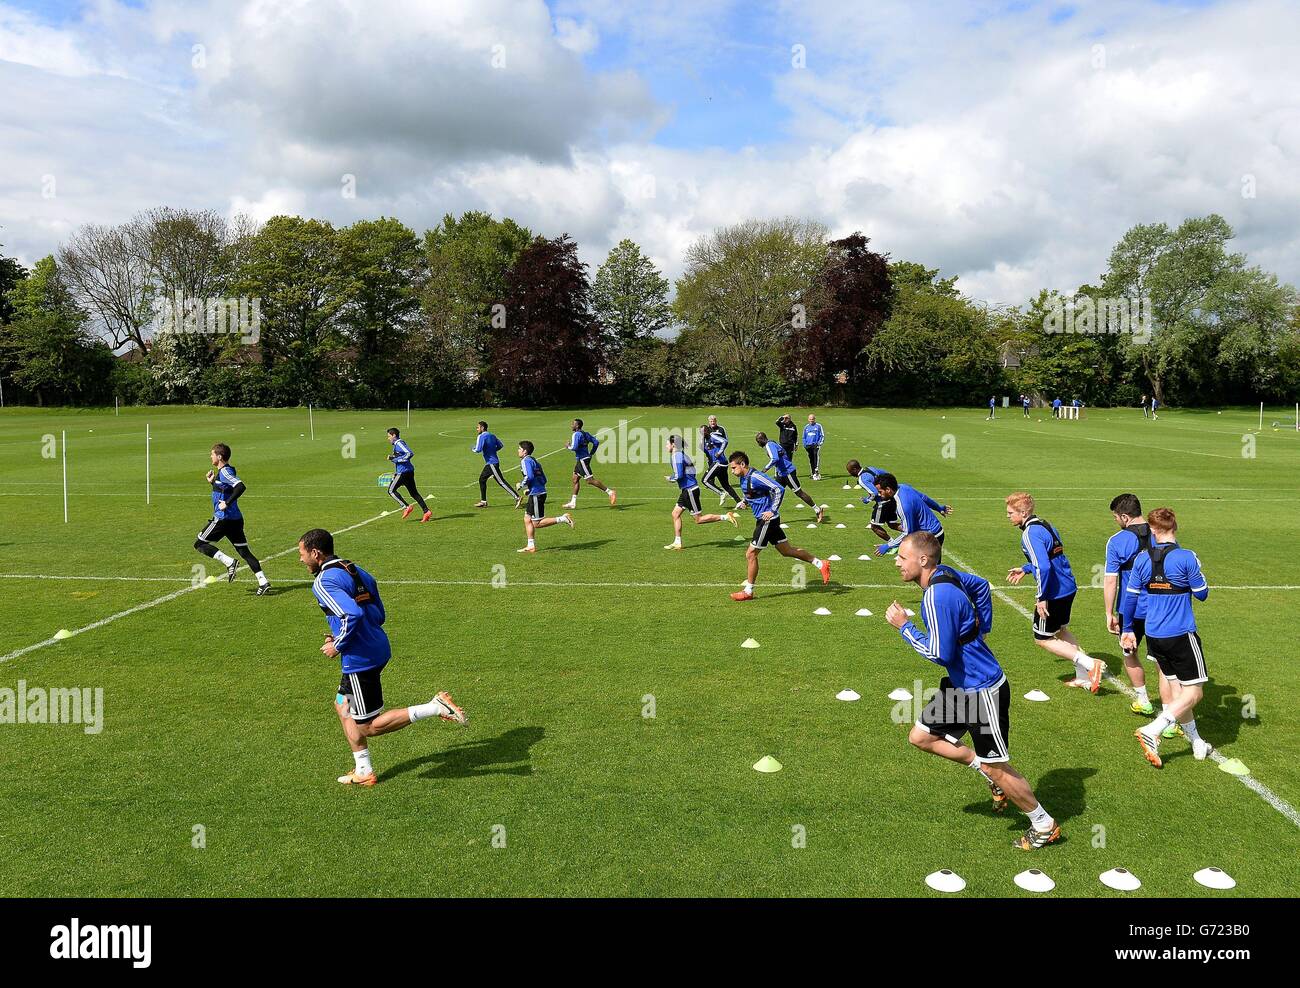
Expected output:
(982, 142)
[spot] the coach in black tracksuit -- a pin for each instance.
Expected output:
(789, 435)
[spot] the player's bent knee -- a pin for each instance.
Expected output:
(918, 737)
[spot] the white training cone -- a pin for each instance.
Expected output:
(862, 612)
(1215, 878)
(826, 507)
(865, 557)
(900, 694)
(784, 525)
(847, 695)
(61, 634)
(850, 507)
(749, 643)
(767, 764)
(848, 487)
(210, 579)
(1034, 880)
(945, 881)
(822, 611)
(832, 559)
(1037, 696)
(1120, 879)
(812, 525)
(841, 525)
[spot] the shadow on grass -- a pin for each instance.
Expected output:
(506, 754)
(1060, 790)
(833, 589)
(576, 546)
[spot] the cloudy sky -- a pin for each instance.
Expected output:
(1009, 143)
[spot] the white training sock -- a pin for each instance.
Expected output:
(749, 587)
(1141, 692)
(817, 562)
(1081, 672)
(222, 558)
(261, 578)
(1040, 819)
(677, 540)
(1085, 660)
(530, 543)
(362, 759)
(434, 708)
(1190, 730)
(1160, 723)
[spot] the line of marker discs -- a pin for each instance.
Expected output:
(1119, 879)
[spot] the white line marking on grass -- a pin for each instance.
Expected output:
(1250, 782)
(156, 601)
(1120, 442)
(531, 583)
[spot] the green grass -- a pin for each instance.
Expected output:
(218, 706)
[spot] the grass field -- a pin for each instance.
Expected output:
(218, 706)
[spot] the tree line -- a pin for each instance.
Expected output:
(179, 306)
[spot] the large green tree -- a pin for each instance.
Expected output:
(45, 345)
(293, 266)
(745, 287)
(1218, 323)
(386, 265)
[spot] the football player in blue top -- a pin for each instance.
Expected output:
(763, 495)
(227, 521)
(813, 437)
(1046, 561)
(534, 486)
(349, 597)
(974, 697)
(583, 445)
(778, 458)
(1122, 548)
(1169, 577)
(490, 446)
(683, 475)
(404, 476)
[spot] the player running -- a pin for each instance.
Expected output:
(1046, 560)
(227, 521)
(763, 495)
(683, 475)
(1122, 548)
(913, 510)
(884, 511)
(813, 437)
(583, 446)
(785, 471)
(349, 596)
(404, 476)
(1168, 577)
(490, 446)
(713, 439)
(975, 696)
(534, 485)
